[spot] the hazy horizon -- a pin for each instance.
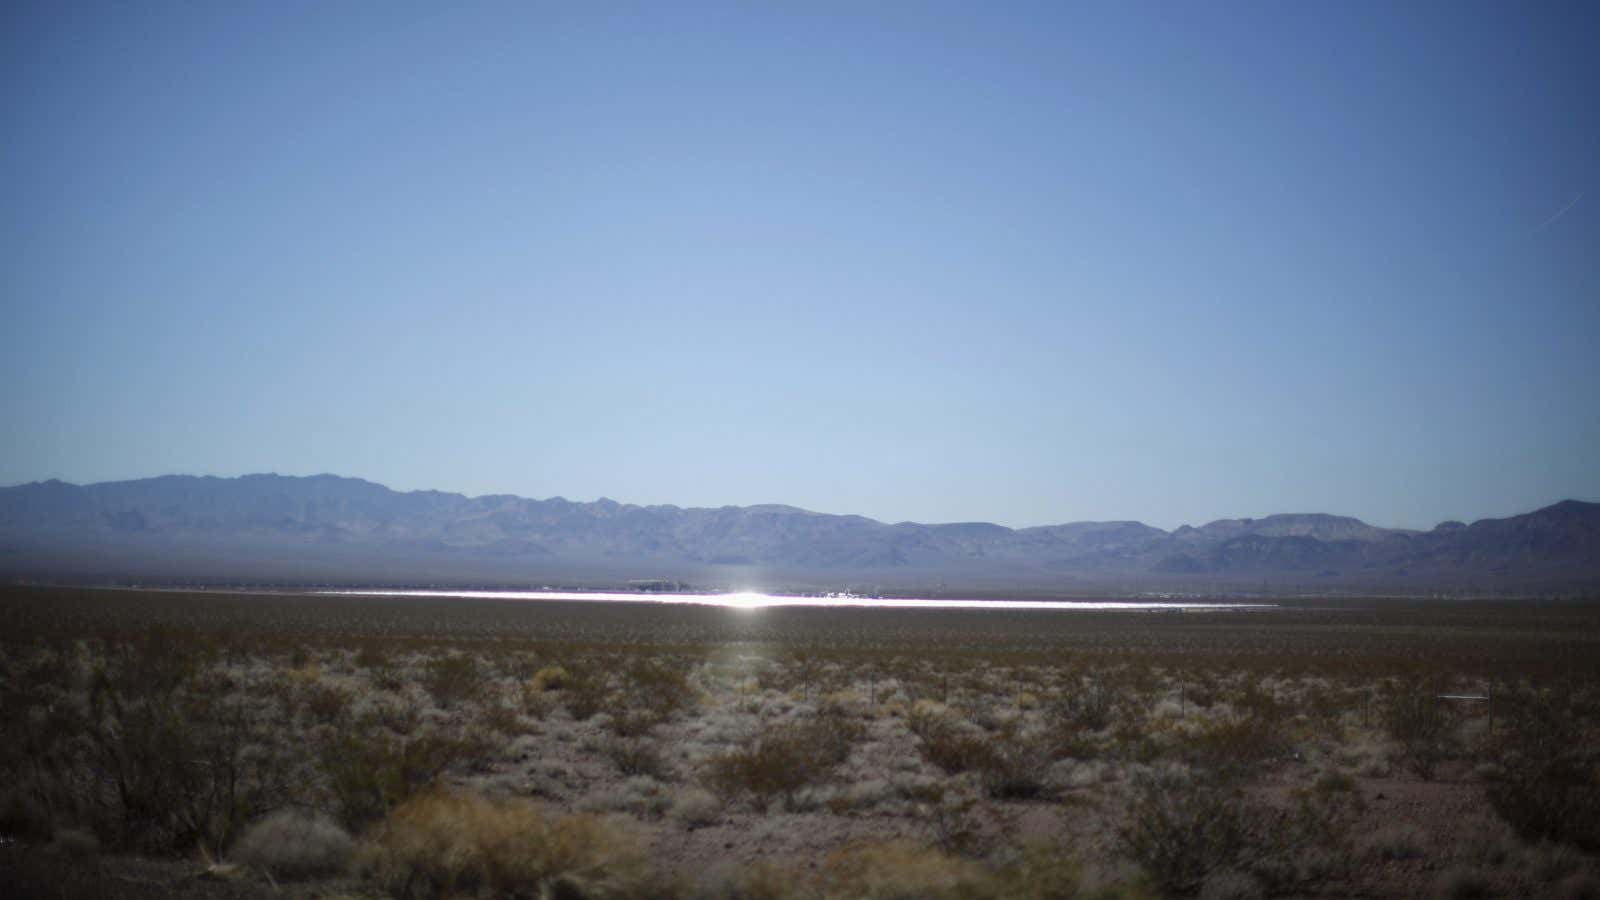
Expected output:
(1016, 263)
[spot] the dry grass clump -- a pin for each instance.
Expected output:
(447, 844)
(901, 872)
(549, 678)
(294, 844)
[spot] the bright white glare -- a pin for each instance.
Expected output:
(749, 600)
(745, 600)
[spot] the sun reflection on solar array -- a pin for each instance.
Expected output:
(755, 600)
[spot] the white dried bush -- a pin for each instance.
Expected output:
(696, 808)
(293, 844)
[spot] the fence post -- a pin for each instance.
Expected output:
(1490, 693)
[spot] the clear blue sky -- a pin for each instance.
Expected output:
(940, 262)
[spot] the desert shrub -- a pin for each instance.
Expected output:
(369, 772)
(446, 844)
(22, 811)
(586, 693)
(806, 670)
(943, 743)
(324, 703)
(1549, 791)
(1047, 872)
(1313, 841)
(1010, 765)
(1180, 831)
(1552, 862)
(1068, 741)
(1334, 782)
(1488, 841)
(960, 823)
(294, 844)
(1259, 701)
(904, 871)
(639, 795)
(1422, 726)
(1395, 842)
(1091, 707)
(628, 723)
(1239, 742)
(784, 758)
(501, 718)
(1461, 882)
(454, 679)
(76, 843)
(637, 756)
(657, 687)
(774, 763)
(142, 716)
(1579, 886)
(695, 808)
(1015, 766)
(1228, 884)
(370, 655)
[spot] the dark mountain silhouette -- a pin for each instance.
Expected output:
(327, 527)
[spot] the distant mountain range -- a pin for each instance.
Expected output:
(321, 529)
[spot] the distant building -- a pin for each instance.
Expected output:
(657, 585)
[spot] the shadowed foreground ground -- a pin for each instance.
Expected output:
(169, 743)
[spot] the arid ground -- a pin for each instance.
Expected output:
(160, 743)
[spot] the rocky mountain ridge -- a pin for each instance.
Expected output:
(329, 517)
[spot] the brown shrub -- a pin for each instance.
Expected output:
(1549, 791)
(1180, 831)
(369, 772)
(447, 844)
(785, 758)
(637, 756)
(454, 679)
